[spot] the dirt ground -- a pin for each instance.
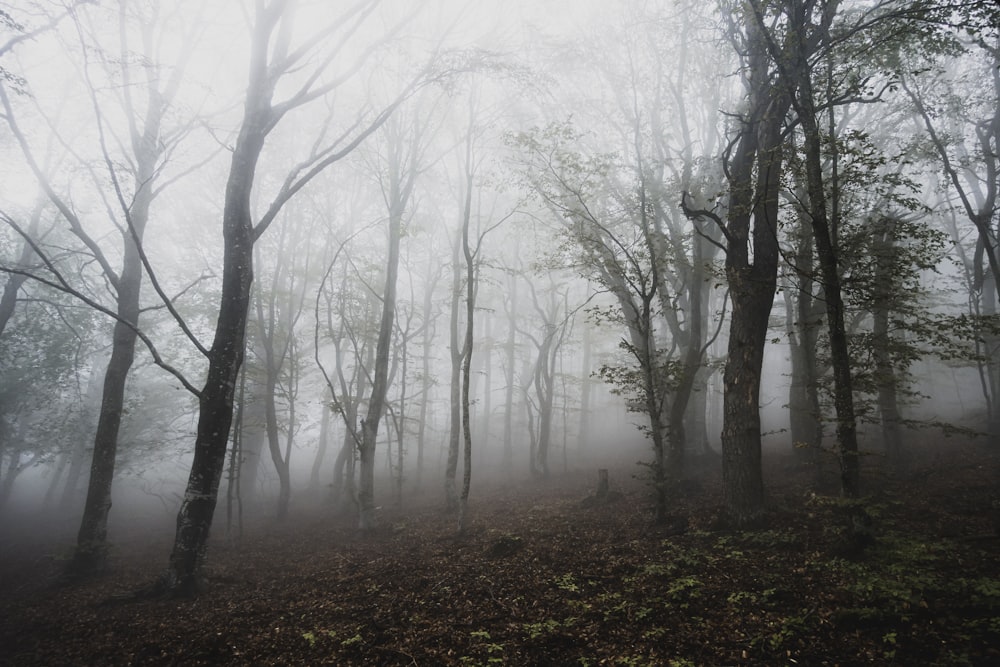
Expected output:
(545, 577)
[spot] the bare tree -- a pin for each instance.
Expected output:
(272, 58)
(277, 315)
(148, 145)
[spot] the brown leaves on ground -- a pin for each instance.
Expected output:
(542, 579)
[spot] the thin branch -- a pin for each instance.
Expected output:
(62, 285)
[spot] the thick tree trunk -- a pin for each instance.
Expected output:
(743, 485)
(194, 520)
(755, 178)
(234, 492)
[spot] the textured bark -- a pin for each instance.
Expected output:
(194, 520)
(755, 176)
(270, 60)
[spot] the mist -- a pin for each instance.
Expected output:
(285, 268)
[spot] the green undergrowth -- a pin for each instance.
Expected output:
(783, 586)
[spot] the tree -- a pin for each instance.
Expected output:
(147, 142)
(613, 243)
(272, 58)
(45, 349)
(555, 317)
(402, 166)
(753, 164)
(277, 314)
(961, 116)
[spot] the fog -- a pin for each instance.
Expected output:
(565, 172)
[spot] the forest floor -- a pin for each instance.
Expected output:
(544, 577)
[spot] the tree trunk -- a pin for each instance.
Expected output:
(455, 430)
(234, 492)
(755, 179)
(826, 253)
(805, 424)
(470, 308)
(322, 446)
(885, 372)
(376, 403)
(194, 520)
(510, 349)
(583, 440)
(425, 377)
(91, 546)
(543, 390)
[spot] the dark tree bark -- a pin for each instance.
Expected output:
(194, 520)
(797, 73)
(270, 60)
(754, 180)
